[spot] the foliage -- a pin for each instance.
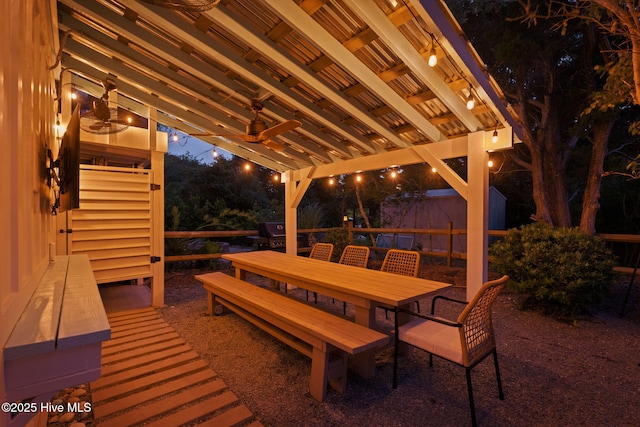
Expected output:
(310, 216)
(212, 247)
(561, 270)
(229, 219)
(340, 238)
(203, 192)
(561, 92)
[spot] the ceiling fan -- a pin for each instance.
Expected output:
(102, 119)
(257, 131)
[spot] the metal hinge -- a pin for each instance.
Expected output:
(155, 187)
(155, 259)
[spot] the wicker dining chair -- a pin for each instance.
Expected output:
(466, 341)
(405, 263)
(322, 252)
(357, 256)
(402, 262)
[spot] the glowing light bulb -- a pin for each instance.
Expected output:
(331, 181)
(247, 167)
(74, 95)
(215, 154)
(129, 120)
(434, 170)
(470, 102)
(490, 163)
(494, 138)
(174, 138)
(433, 58)
(358, 178)
(394, 174)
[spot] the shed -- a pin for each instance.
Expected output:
(436, 210)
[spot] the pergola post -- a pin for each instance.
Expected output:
(477, 213)
(294, 189)
(158, 151)
(290, 213)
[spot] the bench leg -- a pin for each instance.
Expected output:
(338, 371)
(212, 304)
(328, 367)
(319, 374)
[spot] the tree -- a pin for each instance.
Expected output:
(551, 88)
(617, 18)
(213, 194)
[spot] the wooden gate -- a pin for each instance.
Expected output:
(114, 223)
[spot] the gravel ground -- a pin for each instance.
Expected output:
(585, 373)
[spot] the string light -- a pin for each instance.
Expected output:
(247, 167)
(358, 178)
(332, 181)
(175, 138)
(490, 163)
(434, 170)
(433, 58)
(214, 153)
(494, 138)
(470, 101)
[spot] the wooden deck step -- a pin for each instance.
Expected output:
(151, 376)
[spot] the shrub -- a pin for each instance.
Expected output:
(340, 238)
(562, 271)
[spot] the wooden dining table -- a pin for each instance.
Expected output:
(362, 287)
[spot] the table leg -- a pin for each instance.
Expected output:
(241, 274)
(404, 348)
(365, 362)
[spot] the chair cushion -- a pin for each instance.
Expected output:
(434, 337)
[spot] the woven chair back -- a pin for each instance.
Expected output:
(355, 255)
(402, 262)
(321, 251)
(477, 328)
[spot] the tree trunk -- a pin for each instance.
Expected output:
(548, 162)
(365, 217)
(555, 151)
(591, 199)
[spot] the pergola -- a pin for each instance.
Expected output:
(354, 73)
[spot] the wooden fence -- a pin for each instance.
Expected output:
(627, 264)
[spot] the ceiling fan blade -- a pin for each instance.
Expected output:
(120, 122)
(96, 126)
(223, 135)
(279, 128)
(269, 143)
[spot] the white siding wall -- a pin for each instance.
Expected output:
(28, 46)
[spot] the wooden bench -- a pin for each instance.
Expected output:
(57, 341)
(324, 337)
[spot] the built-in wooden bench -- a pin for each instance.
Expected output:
(57, 341)
(324, 337)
